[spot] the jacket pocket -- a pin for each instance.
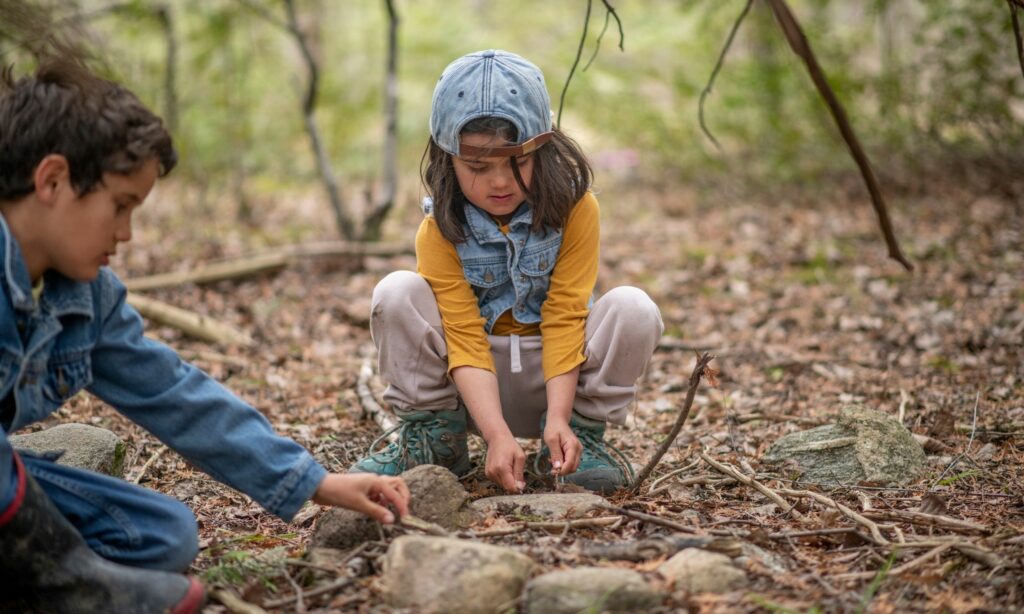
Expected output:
(66, 375)
(488, 272)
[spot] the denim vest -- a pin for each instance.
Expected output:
(510, 271)
(86, 336)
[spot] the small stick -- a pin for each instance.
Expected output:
(698, 372)
(921, 518)
(895, 571)
(646, 518)
(872, 527)
(149, 463)
(771, 494)
(671, 474)
(411, 522)
(320, 590)
(236, 604)
(384, 419)
(300, 603)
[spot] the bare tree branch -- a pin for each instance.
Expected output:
(341, 218)
(798, 42)
(1014, 6)
(575, 63)
(372, 223)
(718, 67)
(608, 14)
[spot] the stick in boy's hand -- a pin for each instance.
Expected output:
(368, 493)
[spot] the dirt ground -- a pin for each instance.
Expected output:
(791, 291)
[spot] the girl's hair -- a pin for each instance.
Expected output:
(561, 178)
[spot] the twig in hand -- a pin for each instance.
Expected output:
(764, 490)
(699, 370)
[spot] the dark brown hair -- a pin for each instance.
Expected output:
(99, 126)
(561, 178)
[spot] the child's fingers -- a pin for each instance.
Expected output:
(518, 463)
(377, 512)
(396, 492)
(572, 451)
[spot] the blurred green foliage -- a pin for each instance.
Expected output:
(916, 76)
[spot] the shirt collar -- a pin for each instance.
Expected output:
(484, 228)
(62, 295)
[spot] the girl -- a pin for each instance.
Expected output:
(500, 317)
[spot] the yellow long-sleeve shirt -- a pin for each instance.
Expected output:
(563, 314)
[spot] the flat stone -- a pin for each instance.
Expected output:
(440, 575)
(84, 446)
(590, 589)
(699, 571)
(435, 496)
(863, 446)
(545, 506)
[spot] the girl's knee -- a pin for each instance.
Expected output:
(399, 286)
(632, 307)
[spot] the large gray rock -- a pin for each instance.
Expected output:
(440, 575)
(85, 447)
(863, 446)
(590, 589)
(435, 496)
(699, 571)
(545, 506)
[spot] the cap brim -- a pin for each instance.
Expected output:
(506, 151)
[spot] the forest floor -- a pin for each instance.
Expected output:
(794, 295)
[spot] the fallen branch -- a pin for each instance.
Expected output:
(188, 322)
(384, 418)
(265, 262)
(152, 459)
(653, 547)
(771, 494)
(931, 520)
(698, 372)
(668, 524)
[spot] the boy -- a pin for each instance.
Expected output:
(78, 155)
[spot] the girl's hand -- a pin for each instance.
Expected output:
(368, 493)
(505, 461)
(565, 447)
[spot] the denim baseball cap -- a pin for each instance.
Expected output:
(491, 83)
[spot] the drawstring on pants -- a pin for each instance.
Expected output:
(517, 363)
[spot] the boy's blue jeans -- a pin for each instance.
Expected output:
(121, 522)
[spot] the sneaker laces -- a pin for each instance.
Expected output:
(411, 437)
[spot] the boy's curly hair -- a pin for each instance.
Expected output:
(98, 125)
(561, 178)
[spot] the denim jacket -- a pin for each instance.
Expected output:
(86, 336)
(510, 271)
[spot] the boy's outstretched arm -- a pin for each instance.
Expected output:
(368, 493)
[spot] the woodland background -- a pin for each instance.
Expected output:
(763, 250)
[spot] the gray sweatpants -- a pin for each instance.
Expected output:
(622, 330)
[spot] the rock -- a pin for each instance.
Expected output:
(699, 571)
(435, 496)
(84, 446)
(863, 446)
(443, 575)
(546, 506)
(986, 452)
(590, 589)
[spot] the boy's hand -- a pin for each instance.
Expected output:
(505, 461)
(368, 493)
(565, 447)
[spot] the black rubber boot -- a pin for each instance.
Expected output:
(47, 567)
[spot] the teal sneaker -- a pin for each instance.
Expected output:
(424, 438)
(602, 469)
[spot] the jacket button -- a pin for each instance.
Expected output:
(522, 278)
